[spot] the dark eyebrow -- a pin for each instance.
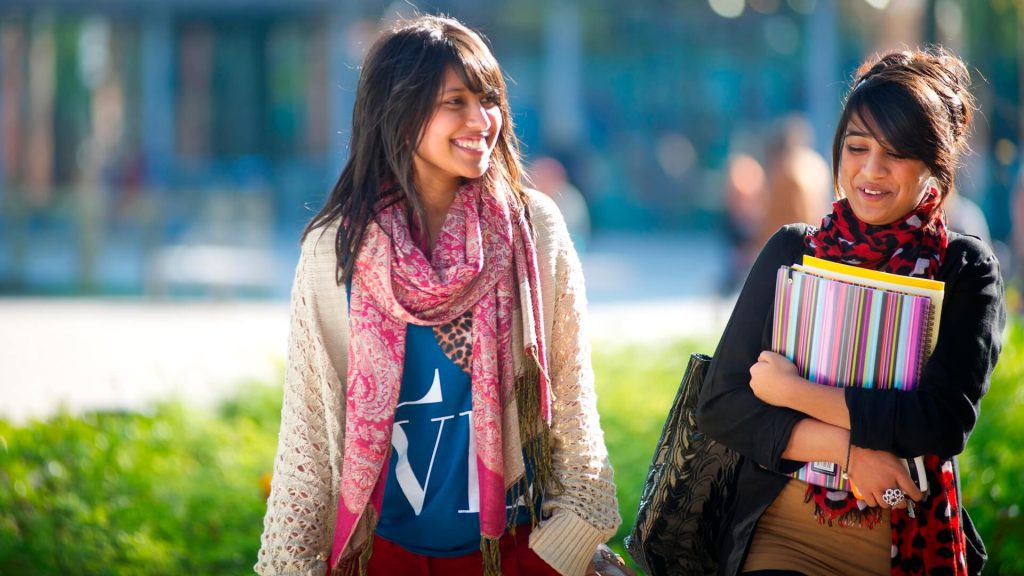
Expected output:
(861, 133)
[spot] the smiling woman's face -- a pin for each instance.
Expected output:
(459, 138)
(881, 186)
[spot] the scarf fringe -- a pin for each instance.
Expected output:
(535, 432)
(521, 488)
(357, 565)
(857, 518)
(535, 435)
(490, 548)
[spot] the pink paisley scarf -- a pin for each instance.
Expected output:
(483, 260)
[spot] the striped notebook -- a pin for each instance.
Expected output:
(841, 328)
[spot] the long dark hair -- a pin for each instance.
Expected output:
(921, 103)
(396, 97)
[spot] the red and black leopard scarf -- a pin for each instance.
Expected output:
(934, 541)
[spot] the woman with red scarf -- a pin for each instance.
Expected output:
(901, 135)
(439, 410)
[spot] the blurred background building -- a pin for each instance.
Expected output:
(177, 147)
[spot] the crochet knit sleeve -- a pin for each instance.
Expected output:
(297, 524)
(585, 513)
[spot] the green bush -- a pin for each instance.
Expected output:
(176, 491)
(992, 466)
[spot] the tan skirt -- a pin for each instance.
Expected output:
(789, 537)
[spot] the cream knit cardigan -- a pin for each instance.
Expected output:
(299, 524)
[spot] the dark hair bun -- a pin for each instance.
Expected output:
(955, 92)
(944, 73)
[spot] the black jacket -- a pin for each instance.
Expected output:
(936, 418)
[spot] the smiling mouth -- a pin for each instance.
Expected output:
(873, 193)
(472, 145)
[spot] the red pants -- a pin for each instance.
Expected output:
(390, 559)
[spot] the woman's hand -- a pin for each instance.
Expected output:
(875, 471)
(607, 563)
(774, 379)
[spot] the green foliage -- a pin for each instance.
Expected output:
(992, 466)
(176, 491)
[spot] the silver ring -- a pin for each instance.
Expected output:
(893, 497)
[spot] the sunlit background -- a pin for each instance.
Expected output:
(176, 147)
(159, 159)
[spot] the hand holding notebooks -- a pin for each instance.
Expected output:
(847, 326)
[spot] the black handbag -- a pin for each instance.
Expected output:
(689, 493)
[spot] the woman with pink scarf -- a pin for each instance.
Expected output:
(439, 411)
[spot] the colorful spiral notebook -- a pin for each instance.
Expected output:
(847, 326)
(933, 289)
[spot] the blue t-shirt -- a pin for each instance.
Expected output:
(431, 501)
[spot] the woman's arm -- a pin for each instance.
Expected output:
(585, 513)
(812, 441)
(775, 380)
(728, 410)
(297, 525)
(871, 471)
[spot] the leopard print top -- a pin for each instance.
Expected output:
(456, 340)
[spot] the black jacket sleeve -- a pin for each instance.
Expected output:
(938, 417)
(727, 410)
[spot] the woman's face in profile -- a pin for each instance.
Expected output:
(881, 185)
